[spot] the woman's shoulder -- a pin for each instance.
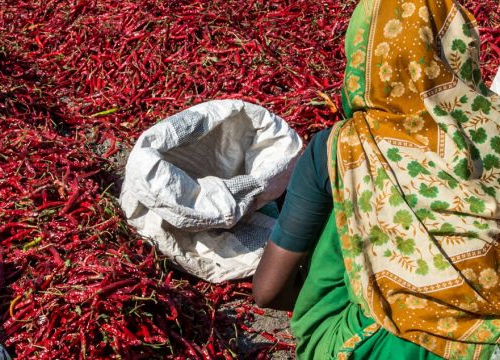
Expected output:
(319, 142)
(316, 157)
(321, 136)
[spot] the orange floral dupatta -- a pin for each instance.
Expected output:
(416, 178)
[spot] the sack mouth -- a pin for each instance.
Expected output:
(211, 164)
(194, 181)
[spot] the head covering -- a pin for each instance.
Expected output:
(416, 177)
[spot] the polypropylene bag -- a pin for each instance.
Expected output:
(4, 355)
(495, 85)
(200, 185)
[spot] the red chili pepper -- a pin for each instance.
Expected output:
(89, 268)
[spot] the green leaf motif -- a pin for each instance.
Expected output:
(405, 247)
(440, 262)
(480, 103)
(439, 205)
(439, 111)
(462, 169)
(459, 139)
(411, 200)
(415, 168)
(459, 45)
(366, 179)
(472, 235)
(491, 161)
(466, 30)
(357, 244)
(476, 76)
(364, 201)
(452, 183)
(348, 208)
(483, 89)
(428, 191)
(424, 214)
(404, 218)
(443, 127)
(354, 274)
(490, 190)
(464, 99)
(387, 253)
(422, 267)
(395, 199)
(393, 154)
(480, 226)
(381, 176)
(478, 136)
(476, 205)
(466, 70)
(495, 144)
(446, 229)
(459, 115)
(377, 236)
(474, 153)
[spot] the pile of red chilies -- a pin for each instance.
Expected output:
(79, 81)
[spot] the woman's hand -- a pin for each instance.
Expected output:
(276, 283)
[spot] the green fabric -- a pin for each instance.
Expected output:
(324, 317)
(360, 22)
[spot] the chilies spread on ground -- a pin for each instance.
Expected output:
(79, 81)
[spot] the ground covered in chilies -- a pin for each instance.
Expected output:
(79, 81)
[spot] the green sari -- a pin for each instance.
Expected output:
(325, 317)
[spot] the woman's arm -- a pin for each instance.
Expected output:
(276, 283)
(308, 204)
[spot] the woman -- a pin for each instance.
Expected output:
(407, 261)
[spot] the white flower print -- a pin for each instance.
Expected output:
(414, 302)
(398, 89)
(469, 274)
(413, 123)
(392, 28)
(423, 12)
(433, 70)
(426, 35)
(469, 306)
(395, 298)
(408, 9)
(382, 49)
(415, 70)
(385, 72)
(447, 324)
(488, 278)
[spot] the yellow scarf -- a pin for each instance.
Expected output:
(416, 177)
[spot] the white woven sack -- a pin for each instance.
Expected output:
(194, 181)
(495, 85)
